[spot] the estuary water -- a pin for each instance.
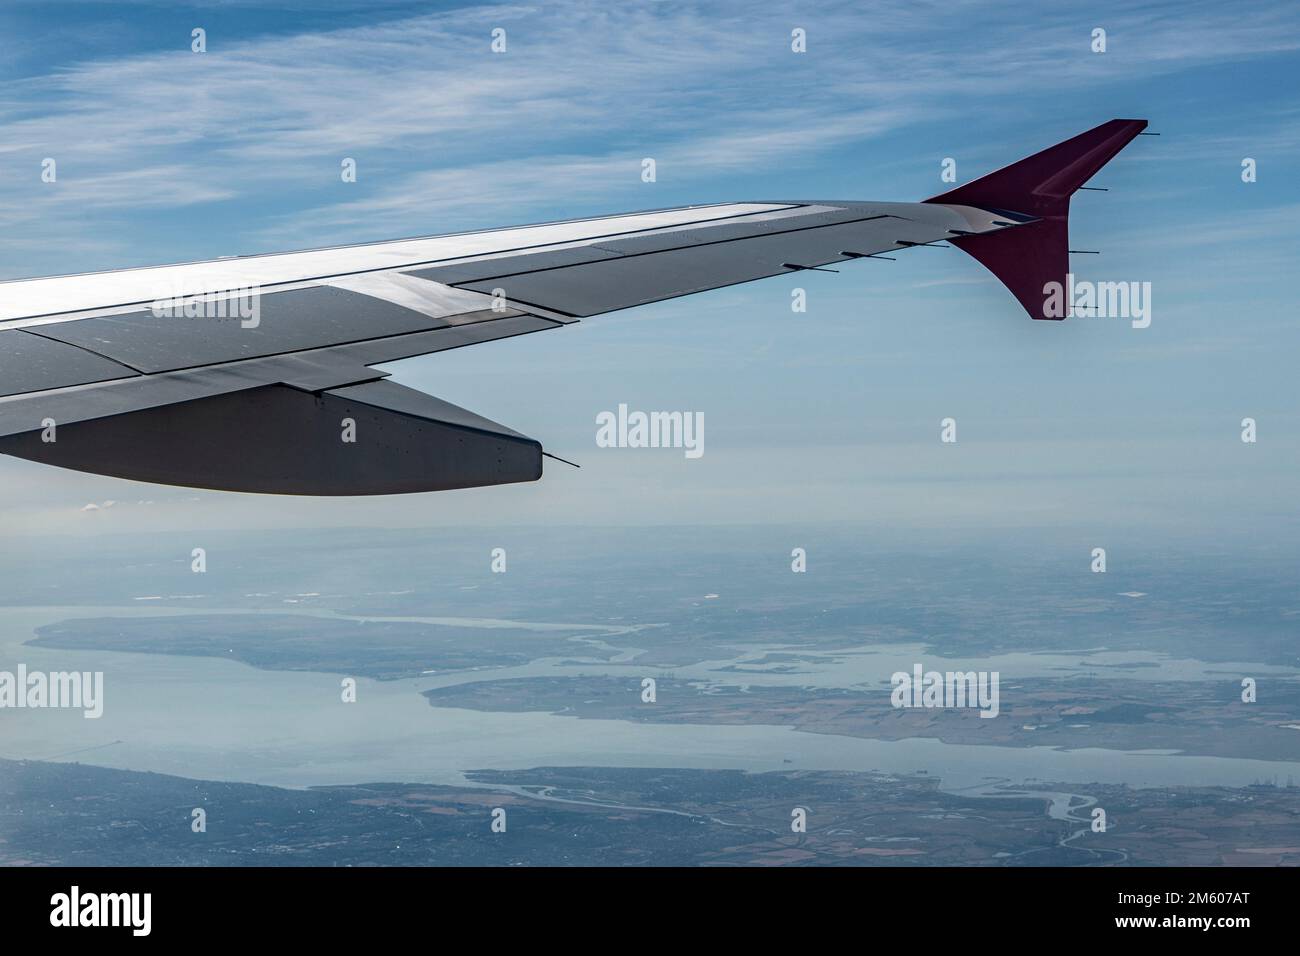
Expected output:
(214, 719)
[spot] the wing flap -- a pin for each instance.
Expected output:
(31, 363)
(265, 325)
(311, 370)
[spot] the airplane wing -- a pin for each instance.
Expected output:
(256, 373)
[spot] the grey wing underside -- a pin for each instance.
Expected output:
(120, 381)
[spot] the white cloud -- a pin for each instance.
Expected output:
(446, 132)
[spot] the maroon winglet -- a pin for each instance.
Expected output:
(1028, 257)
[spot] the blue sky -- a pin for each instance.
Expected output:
(1087, 427)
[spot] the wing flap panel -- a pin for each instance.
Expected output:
(30, 363)
(284, 322)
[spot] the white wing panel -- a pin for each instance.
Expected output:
(28, 298)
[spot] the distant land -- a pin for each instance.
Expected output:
(1193, 717)
(71, 814)
(383, 650)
